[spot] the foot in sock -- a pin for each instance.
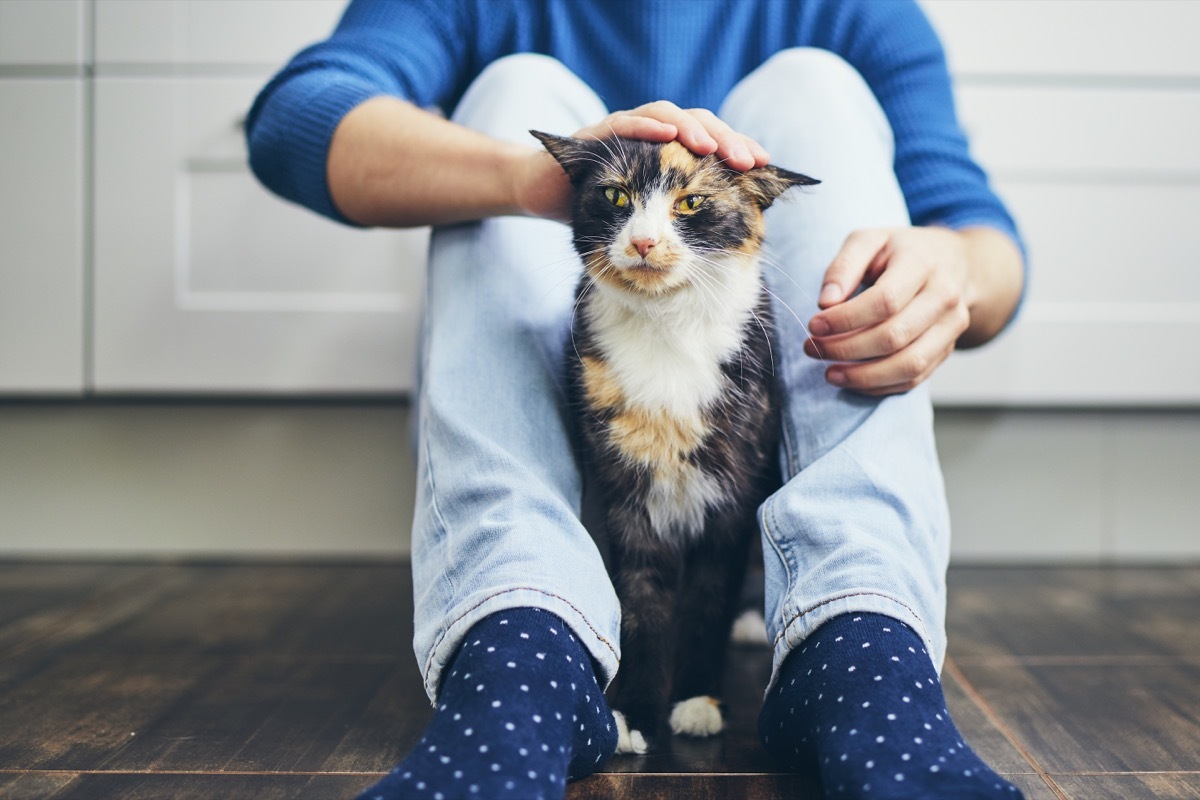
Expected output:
(860, 703)
(519, 713)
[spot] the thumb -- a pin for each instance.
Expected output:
(849, 267)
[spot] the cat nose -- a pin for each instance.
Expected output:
(643, 244)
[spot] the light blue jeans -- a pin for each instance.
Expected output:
(861, 522)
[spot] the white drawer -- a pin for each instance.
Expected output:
(42, 32)
(204, 282)
(1081, 38)
(41, 236)
(210, 32)
(1039, 132)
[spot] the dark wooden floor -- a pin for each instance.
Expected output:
(283, 681)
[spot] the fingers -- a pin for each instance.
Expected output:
(899, 372)
(893, 334)
(862, 251)
(699, 130)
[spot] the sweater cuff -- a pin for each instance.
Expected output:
(290, 151)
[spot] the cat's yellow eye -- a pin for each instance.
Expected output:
(618, 197)
(689, 204)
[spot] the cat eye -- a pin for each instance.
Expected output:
(618, 197)
(689, 204)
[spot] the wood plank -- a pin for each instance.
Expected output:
(1098, 718)
(34, 785)
(1147, 613)
(1131, 787)
(282, 609)
(149, 786)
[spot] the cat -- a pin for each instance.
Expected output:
(671, 378)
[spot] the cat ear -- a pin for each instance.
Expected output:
(765, 184)
(571, 154)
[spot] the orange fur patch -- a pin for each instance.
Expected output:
(600, 385)
(645, 436)
(655, 438)
(673, 154)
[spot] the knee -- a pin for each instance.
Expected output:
(820, 86)
(530, 90)
(522, 74)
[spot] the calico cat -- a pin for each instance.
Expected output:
(671, 376)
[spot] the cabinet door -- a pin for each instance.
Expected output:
(41, 196)
(206, 283)
(46, 34)
(1092, 141)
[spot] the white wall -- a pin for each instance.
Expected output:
(337, 481)
(1086, 112)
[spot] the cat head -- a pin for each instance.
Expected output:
(650, 218)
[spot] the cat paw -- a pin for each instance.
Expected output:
(629, 741)
(697, 716)
(750, 629)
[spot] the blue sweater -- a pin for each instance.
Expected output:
(690, 52)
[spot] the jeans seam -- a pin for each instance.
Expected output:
(767, 523)
(435, 511)
(847, 596)
(445, 631)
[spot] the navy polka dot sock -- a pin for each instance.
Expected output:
(519, 713)
(860, 703)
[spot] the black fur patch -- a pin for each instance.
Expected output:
(679, 593)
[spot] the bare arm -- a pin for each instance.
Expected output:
(393, 164)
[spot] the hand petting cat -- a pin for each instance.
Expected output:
(544, 191)
(927, 290)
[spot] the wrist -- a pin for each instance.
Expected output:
(994, 280)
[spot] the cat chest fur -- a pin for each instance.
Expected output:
(673, 412)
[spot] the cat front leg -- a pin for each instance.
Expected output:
(712, 581)
(646, 576)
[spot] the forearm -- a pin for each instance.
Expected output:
(393, 164)
(996, 276)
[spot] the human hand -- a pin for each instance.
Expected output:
(542, 188)
(890, 337)
(697, 129)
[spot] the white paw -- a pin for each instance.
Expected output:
(697, 716)
(628, 741)
(750, 629)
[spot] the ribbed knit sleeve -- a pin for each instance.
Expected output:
(405, 48)
(897, 51)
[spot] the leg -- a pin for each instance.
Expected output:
(861, 522)
(515, 614)
(860, 529)
(497, 518)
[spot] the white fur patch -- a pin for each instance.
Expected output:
(679, 500)
(628, 741)
(666, 353)
(750, 629)
(697, 716)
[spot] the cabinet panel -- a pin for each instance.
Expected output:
(41, 236)
(1125, 38)
(41, 32)
(210, 32)
(205, 283)
(1048, 131)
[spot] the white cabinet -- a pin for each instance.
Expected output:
(204, 282)
(42, 230)
(1087, 116)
